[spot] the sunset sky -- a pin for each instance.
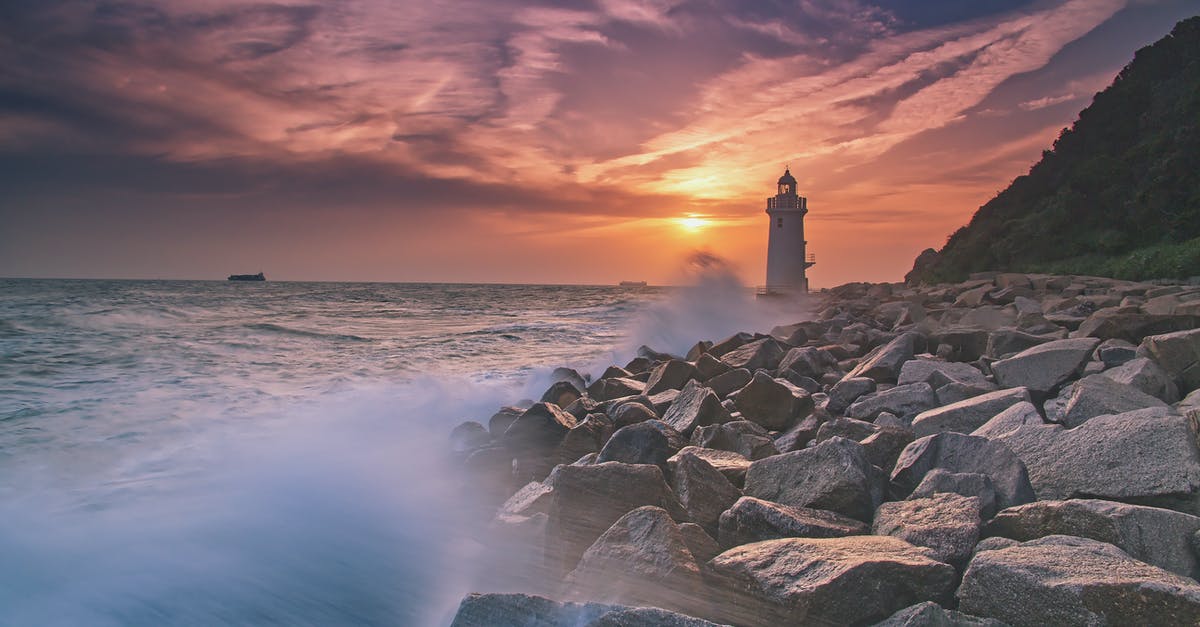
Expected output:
(516, 141)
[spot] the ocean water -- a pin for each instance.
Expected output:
(200, 453)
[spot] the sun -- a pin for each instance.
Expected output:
(692, 222)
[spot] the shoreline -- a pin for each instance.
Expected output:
(909, 449)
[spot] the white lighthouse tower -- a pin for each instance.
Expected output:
(786, 255)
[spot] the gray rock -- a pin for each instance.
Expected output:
(641, 559)
(1179, 354)
(754, 520)
(964, 344)
(1149, 460)
(541, 427)
(524, 610)
(1114, 353)
(469, 436)
(774, 404)
(587, 500)
(939, 373)
(849, 428)
(1161, 537)
(702, 545)
(885, 445)
(765, 354)
(1099, 395)
(1063, 580)
(884, 362)
(532, 499)
(905, 401)
(1007, 342)
(851, 580)
(973, 484)
(563, 393)
(649, 442)
(500, 421)
(631, 413)
(930, 614)
(702, 490)
(807, 361)
(740, 436)
(728, 344)
(846, 391)
(956, 452)
(835, 475)
(1147, 376)
(732, 466)
(670, 375)
(663, 400)
(646, 617)
(723, 384)
(1132, 327)
(695, 406)
(607, 389)
(967, 416)
(800, 434)
(946, 524)
(708, 367)
(1046, 366)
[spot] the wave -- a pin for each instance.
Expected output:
(284, 330)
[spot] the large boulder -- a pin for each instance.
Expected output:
(645, 617)
(930, 614)
(846, 391)
(939, 373)
(1045, 366)
(905, 401)
(1179, 354)
(1098, 395)
(754, 520)
(670, 375)
(772, 403)
(1132, 326)
(835, 475)
(695, 406)
(702, 545)
(539, 428)
(1161, 537)
(527, 610)
(850, 580)
(808, 361)
(649, 442)
(740, 436)
(1064, 580)
(641, 559)
(1146, 375)
(632, 412)
(708, 367)
(765, 354)
(968, 415)
(732, 466)
(616, 387)
(702, 490)
(725, 383)
(946, 524)
(957, 452)
(884, 362)
(1149, 460)
(587, 500)
(974, 484)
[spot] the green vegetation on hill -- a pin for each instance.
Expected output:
(1118, 195)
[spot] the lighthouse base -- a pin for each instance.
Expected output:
(781, 291)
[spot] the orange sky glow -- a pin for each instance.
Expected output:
(569, 142)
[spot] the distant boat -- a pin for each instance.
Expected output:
(247, 277)
(632, 284)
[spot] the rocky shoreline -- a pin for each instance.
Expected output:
(1015, 449)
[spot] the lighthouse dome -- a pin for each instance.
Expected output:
(787, 178)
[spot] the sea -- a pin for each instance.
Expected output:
(229, 453)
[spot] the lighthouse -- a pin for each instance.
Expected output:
(786, 256)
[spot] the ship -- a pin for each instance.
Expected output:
(632, 284)
(247, 277)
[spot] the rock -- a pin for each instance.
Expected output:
(631, 413)
(613, 372)
(1147, 376)
(930, 614)
(488, 473)
(1046, 366)
(500, 421)
(939, 373)
(964, 344)
(994, 543)
(947, 524)
(968, 415)
(469, 436)
(1062, 580)
(702, 490)
(925, 263)
(649, 442)
(702, 545)
(807, 361)
(662, 401)
(800, 434)
(740, 436)
(670, 375)
(1132, 327)
(695, 406)
(774, 404)
(760, 354)
(534, 437)
(585, 438)
(525, 610)
(905, 401)
(640, 560)
(1098, 395)
(562, 393)
(754, 520)
(1161, 537)
(846, 391)
(646, 617)
(587, 500)
(581, 407)
(608, 389)
(532, 499)
(883, 364)
(1179, 354)
(732, 466)
(1149, 461)
(727, 382)
(973, 484)
(885, 445)
(849, 428)
(1115, 352)
(956, 452)
(708, 367)
(835, 475)
(851, 580)
(638, 365)
(698, 349)
(730, 343)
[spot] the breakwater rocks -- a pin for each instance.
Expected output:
(1016, 449)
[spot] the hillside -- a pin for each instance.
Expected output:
(1119, 193)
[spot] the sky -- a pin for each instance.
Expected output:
(525, 142)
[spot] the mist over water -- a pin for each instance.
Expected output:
(200, 453)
